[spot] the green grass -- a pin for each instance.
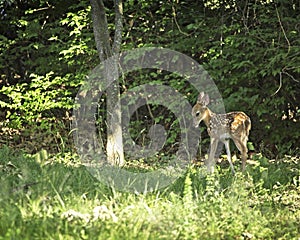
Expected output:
(57, 198)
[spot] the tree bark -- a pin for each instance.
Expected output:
(114, 147)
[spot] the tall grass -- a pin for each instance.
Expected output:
(57, 198)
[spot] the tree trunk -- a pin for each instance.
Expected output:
(114, 147)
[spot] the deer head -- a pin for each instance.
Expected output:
(200, 111)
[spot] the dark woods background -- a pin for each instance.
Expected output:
(250, 48)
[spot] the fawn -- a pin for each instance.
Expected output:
(222, 127)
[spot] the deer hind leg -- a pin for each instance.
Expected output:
(226, 142)
(241, 144)
(244, 154)
(211, 158)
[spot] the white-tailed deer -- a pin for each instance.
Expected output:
(222, 127)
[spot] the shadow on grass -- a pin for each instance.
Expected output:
(63, 175)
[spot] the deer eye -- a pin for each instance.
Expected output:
(197, 114)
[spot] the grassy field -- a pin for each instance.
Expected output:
(56, 198)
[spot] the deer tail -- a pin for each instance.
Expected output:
(247, 126)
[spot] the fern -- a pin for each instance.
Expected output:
(188, 191)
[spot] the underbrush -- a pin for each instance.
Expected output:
(55, 197)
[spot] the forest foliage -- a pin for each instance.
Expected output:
(250, 48)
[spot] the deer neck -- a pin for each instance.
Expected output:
(208, 116)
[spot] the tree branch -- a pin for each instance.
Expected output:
(282, 28)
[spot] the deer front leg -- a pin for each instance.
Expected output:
(211, 158)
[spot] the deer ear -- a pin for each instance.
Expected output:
(205, 99)
(200, 97)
